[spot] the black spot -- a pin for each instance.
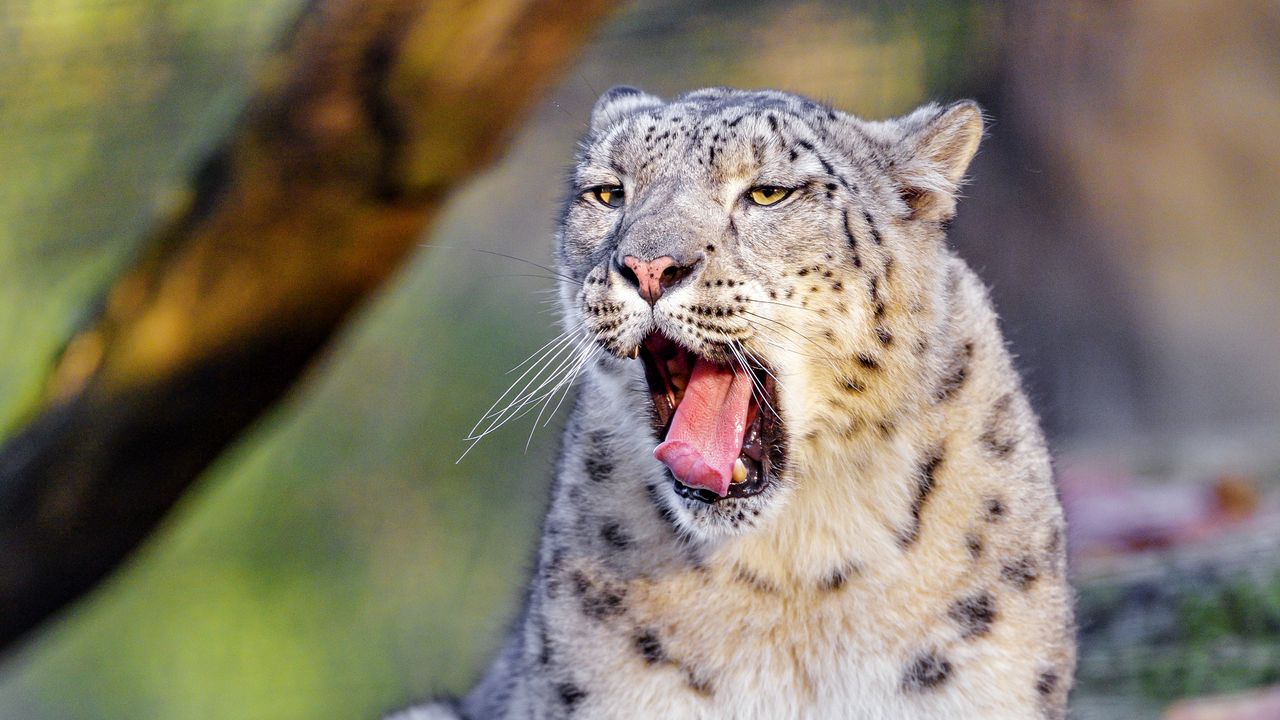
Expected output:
(995, 509)
(755, 582)
(650, 648)
(711, 248)
(997, 439)
(997, 446)
(1046, 683)
(1022, 572)
(598, 469)
(615, 536)
(974, 613)
(1055, 542)
(875, 231)
(852, 384)
(886, 427)
(868, 362)
(773, 122)
(957, 372)
(571, 695)
(884, 336)
(974, 544)
(545, 652)
(700, 685)
(838, 577)
(926, 672)
(926, 481)
(876, 302)
(598, 601)
(848, 233)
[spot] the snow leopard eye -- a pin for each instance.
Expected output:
(609, 195)
(766, 195)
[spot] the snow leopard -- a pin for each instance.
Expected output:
(801, 477)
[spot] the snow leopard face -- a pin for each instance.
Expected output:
(768, 265)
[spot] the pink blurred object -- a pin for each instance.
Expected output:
(1110, 513)
(1259, 705)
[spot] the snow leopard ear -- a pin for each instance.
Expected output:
(936, 147)
(618, 102)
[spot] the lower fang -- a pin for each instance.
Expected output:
(739, 472)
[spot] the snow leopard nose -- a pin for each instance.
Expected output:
(651, 277)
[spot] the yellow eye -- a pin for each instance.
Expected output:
(768, 195)
(610, 195)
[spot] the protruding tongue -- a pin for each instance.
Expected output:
(706, 433)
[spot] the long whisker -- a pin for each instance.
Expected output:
(562, 336)
(553, 271)
(543, 372)
(496, 253)
(833, 359)
(756, 391)
(764, 366)
(790, 347)
(756, 386)
(552, 349)
(529, 397)
(782, 304)
(595, 352)
(504, 276)
(567, 384)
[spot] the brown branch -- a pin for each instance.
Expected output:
(373, 111)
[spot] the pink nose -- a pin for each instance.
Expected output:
(652, 276)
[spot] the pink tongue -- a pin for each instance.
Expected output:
(706, 434)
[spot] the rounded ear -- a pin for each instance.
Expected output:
(618, 102)
(936, 148)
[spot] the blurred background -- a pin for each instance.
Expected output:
(335, 561)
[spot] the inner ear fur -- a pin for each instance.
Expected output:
(938, 145)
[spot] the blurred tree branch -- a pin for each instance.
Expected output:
(369, 115)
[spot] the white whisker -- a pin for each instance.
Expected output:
(551, 349)
(756, 386)
(528, 396)
(524, 399)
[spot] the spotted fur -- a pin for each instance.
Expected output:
(907, 560)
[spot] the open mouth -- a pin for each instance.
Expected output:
(719, 434)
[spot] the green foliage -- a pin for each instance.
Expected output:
(1197, 635)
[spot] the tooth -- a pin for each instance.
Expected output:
(635, 352)
(739, 472)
